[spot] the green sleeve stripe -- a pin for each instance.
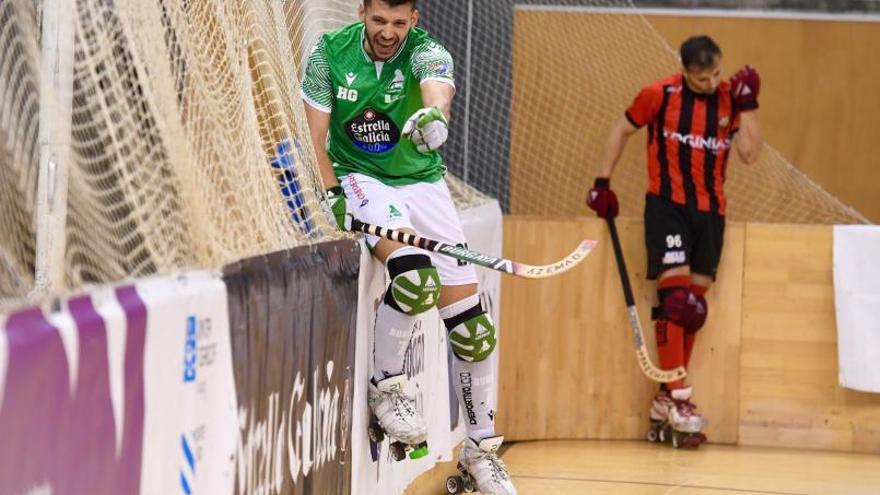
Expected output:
(316, 86)
(431, 61)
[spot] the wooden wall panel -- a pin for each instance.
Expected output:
(568, 368)
(789, 394)
(574, 74)
(819, 103)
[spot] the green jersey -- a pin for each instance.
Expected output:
(369, 103)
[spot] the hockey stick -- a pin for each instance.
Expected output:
(463, 254)
(648, 367)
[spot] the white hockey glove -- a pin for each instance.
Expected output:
(427, 129)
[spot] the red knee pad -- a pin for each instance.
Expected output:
(699, 311)
(680, 305)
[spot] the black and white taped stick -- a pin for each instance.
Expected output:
(464, 254)
(648, 368)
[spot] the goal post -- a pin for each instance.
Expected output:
(56, 94)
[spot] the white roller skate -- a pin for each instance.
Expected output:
(481, 470)
(674, 419)
(394, 414)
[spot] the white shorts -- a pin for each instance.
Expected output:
(426, 208)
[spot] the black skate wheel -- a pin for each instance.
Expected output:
(376, 434)
(398, 451)
(453, 485)
(469, 484)
(653, 435)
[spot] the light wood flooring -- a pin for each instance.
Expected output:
(641, 468)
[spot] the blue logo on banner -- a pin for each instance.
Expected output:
(187, 475)
(285, 162)
(189, 350)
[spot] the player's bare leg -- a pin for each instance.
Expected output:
(472, 339)
(680, 314)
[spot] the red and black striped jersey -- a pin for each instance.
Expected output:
(689, 141)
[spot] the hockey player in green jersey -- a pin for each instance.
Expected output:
(378, 95)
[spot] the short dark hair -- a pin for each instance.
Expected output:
(392, 3)
(699, 53)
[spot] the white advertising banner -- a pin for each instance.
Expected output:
(857, 304)
(190, 427)
(373, 469)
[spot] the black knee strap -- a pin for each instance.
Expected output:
(458, 319)
(408, 262)
(403, 264)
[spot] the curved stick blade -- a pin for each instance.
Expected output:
(553, 269)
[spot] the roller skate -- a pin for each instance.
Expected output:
(480, 470)
(674, 419)
(394, 415)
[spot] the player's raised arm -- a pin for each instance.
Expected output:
(432, 66)
(438, 94)
(745, 86)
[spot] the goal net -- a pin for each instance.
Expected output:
(19, 109)
(540, 83)
(188, 143)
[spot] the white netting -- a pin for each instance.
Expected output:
(19, 114)
(188, 138)
(189, 146)
(545, 79)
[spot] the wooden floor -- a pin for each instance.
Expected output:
(624, 468)
(640, 468)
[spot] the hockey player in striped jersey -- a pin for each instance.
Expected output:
(694, 119)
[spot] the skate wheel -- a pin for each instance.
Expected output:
(469, 485)
(676, 440)
(376, 434)
(454, 485)
(398, 451)
(653, 435)
(419, 452)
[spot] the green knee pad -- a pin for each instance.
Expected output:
(414, 289)
(474, 338)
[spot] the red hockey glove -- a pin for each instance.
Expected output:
(602, 199)
(745, 86)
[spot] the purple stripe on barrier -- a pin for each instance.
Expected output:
(35, 396)
(132, 447)
(61, 440)
(88, 415)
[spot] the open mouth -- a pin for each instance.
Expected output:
(385, 47)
